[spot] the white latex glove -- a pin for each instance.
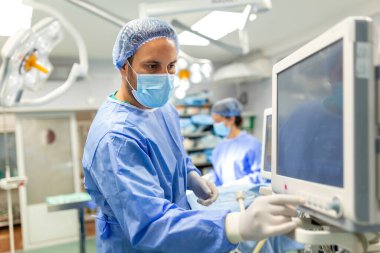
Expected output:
(205, 190)
(266, 216)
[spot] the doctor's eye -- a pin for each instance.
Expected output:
(172, 67)
(151, 66)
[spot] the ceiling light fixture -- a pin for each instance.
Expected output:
(189, 38)
(14, 15)
(218, 24)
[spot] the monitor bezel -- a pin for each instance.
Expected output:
(348, 195)
(265, 174)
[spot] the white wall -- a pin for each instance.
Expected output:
(218, 91)
(259, 98)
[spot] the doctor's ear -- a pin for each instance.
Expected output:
(124, 69)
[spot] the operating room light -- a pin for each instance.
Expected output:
(176, 82)
(180, 93)
(196, 77)
(184, 84)
(206, 69)
(26, 56)
(14, 15)
(182, 63)
(195, 67)
(189, 38)
(218, 24)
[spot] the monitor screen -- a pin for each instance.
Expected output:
(268, 144)
(310, 118)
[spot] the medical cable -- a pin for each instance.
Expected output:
(240, 200)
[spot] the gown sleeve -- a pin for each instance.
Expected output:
(124, 174)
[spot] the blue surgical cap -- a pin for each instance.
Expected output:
(137, 32)
(227, 107)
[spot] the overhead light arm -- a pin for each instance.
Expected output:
(184, 6)
(243, 33)
(114, 19)
(100, 12)
(245, 17)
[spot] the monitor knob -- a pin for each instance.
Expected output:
(336, 206)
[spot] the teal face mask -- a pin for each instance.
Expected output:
(153, 90)
(221, 129)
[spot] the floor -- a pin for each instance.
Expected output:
(62, 248)
(65, 248)
(72, 247)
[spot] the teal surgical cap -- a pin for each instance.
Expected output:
(227, 107)
(137, 32)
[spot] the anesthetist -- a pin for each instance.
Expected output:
(137, 171)
(237, 159)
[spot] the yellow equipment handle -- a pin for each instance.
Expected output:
(31, 62)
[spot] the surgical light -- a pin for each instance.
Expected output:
(25, 59)
(184, 74)
(184, 84)
(196, 77)
(26, 62)
(182, 63)
(206, 69)
(176, 82)
(195, 67)
(180, 93)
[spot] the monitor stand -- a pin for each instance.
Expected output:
(316, 236)
(323, 235)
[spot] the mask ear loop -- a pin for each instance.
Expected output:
(126, 77)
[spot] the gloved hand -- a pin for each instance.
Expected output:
(205, 190)
(266, 216)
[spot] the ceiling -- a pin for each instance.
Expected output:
(289, 24)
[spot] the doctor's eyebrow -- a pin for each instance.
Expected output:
(173, 63)
(156, 62)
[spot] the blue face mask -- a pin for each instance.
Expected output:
(153, 90)
(221, 129)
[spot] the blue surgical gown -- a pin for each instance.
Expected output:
(135, 170)
(237, 158)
